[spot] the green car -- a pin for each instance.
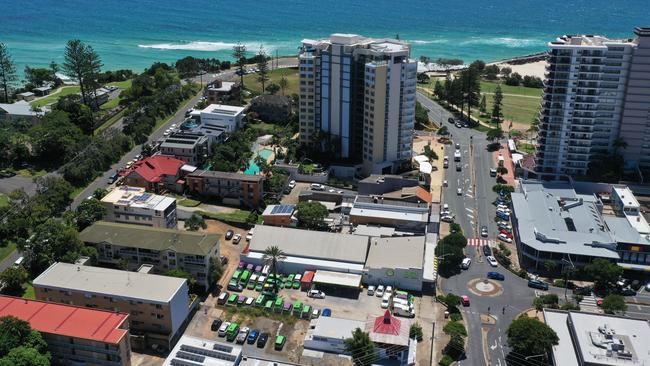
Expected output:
(279, 303)
(296, 285)
(258, 287)
(232, 300)
(251, 285)
(279, 342)
(269, 305)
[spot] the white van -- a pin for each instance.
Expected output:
(404, 311)
(465, 263)
(19, 261)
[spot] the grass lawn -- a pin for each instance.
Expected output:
(4, 200)
(188, 202)
(29, 292)
(121, 84)
(527, 148)
(265, 128)
(30, 173)
(65, 90)
(110, 104)
(519, 109)
(251, 83)
(490, 87)
(237, 216)
(76, 192)
(6, 250)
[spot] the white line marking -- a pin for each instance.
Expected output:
(469, 209)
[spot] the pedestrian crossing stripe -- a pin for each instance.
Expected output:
(477, 242)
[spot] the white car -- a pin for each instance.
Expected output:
(389, 291)
(249, 235)
(447, 218)
(331, 190)
(249, 301)
(379, 292)
(317, 187)
(459, 191)
(166, 133)
(492, 261)
(647, 286)
(236, 238)
(316, 294)
(504, 225)
(371, 290)
(385, 302)
(243, 334)
(465, 263)
(444, 183)
(292, 184)
(173, 125)
(504, 237)
(222, 329)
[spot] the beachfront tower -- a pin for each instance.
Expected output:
(357, 99)
(595, 96)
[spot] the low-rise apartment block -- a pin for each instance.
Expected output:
(191, 147)
(159, 306)
(133, 205)
(75, 335)
(225, 117)
(164, 249)
(231, 188)
(279, 215)
(193, 351)
(220, 91)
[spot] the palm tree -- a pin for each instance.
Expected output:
(361, 348)
(273, 255)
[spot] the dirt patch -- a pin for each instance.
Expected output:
(227, 248)
(488, 319)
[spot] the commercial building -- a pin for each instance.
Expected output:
(279, 215)
(398, 262)
(158, 173)
(360, 92)
(224, 117)
(19, 110)
(391, 212)
(328, 334)
(576, 223)
(75, 335)
(380, 184)
(164, 249)
(220, 91)
(231, 188)
(307, 250)
(587, 339)
(191, 147)
(595, 95)
(159, 306)
(133, 205)
(193, 351)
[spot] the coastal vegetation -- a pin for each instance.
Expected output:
(8, 77)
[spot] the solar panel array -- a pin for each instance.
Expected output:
(282, 209)
(143, 197)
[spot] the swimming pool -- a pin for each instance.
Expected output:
(253, 168)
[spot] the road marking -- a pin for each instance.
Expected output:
(469, 209)
(469, 195)
(495, 345)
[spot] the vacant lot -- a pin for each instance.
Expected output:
(291, 74)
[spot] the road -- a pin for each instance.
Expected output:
(178, 118)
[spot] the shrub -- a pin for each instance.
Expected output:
(522, 273)
(559, 283)
(455, 328)
(456, 317)
(570, 306)
(416, 332)
(446, 360)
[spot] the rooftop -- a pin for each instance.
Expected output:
(599, 339)
(311, 244)
(131, 285)
(227, 175)
(280, 210)
(229, 110)
(203, 352)
(398, 252)
(387, 329)
(333, 328)
(185, 140)
(154, 167)
(588, 40)
(20, 108)
(145, 237)
(67, 320)
(380, 45)
(552, 217)
(138, 197)
(226, 86)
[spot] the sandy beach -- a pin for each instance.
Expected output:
(537, 68)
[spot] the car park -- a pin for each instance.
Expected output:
(252, 336)
(222, 329)
(236, 238)
(496, 276)
(492, 261)
(538, 284)
(243, 334)
(487, 251)
(379, 292)
(261, 341)
(279, 342)
(229, 234)
(316, 294)
(465, 263)
(371, 290)
(464, 300)
(484, 231)
(504, 237)
(216, 324)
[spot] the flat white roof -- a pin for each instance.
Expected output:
(390, 214)
(226, 86)
(139, 198)
(105, 281)
(626, 195)
(333, 328)
(425, 167)
(203, 352)
(223, 109)
(313, 263)
(399, 252)
(429, 272)
(337, 278)
(563, 352)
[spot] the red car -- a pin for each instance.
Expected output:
(506, 233)
(599, 302)
(465, 300)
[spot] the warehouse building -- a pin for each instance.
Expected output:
(396, 261)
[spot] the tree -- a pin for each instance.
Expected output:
(194, 286)
(450, 256)
(361, 348)
(613, 304)
(491, 72)
(273, 88)
(195, 222)
(7, 71)
(415, 332)
(483, 105)
(455, 329)
(311, 215)
(13, 279)
(283, 83)
(215, 271)
(75, 64)
(429, 153)
(550, 266)
(497, 104)
(272, 256)
(88, 212)
(25, 356)
(52, 241)
(494, 134)
(604, 274)
(262, 67)
(239, 54)
(39, 75)
(450, 301)
(15, 332)
(503, 189)
(529, 337)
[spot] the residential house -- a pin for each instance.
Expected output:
(225, 117)
(220, 91)
(20, 110)
(230, 188)
(191, 147)
(158, 173)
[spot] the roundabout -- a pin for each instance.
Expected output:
(485, 287)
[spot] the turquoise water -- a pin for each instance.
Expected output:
(253, 168)
(133, 34)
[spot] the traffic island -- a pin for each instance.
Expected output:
(485, 287)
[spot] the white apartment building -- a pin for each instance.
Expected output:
(587, 92)
(360, 92)
(228, 118)
(133, 205)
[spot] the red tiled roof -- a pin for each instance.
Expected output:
(66, 320)
(423, 194)
(387, 324)
(154, 167)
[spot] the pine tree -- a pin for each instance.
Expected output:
(483, 105)
(262, 67)
(239, 54)
(497, 113)
(7, 71)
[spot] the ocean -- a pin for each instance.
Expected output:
(133, 34)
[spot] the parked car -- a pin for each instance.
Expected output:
(315, 313)
(647, 286)
(465, 263)
(379, 292)
(465, 300)
(249, 235)
(389, 291)
(487, 251)
(234, 286)
(317, 187)
(222, 329)
(493, 172)
(385, 302)
(326, 312)
(224, 260)
(484, 231)
(496, 276)
(451, 120)
(222, 297)
(292, 184)
(229, 234)
(492, 261)
(249, 301)
(541, 285)
(458, 125)
(113, 178)
(504, 237)
(506, 233)
(279, 342)
(444, 183)
(243, 334)
(316, 294)
(216, 324)
(504, 225)
(261, 341)
(252, 336)
(458, 167)
(627, 291)
(236, 239)
(371, 290)
(447, 218)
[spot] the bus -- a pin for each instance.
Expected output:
(231, 332)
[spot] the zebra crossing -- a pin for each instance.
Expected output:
(477, 242)
(589, 304)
